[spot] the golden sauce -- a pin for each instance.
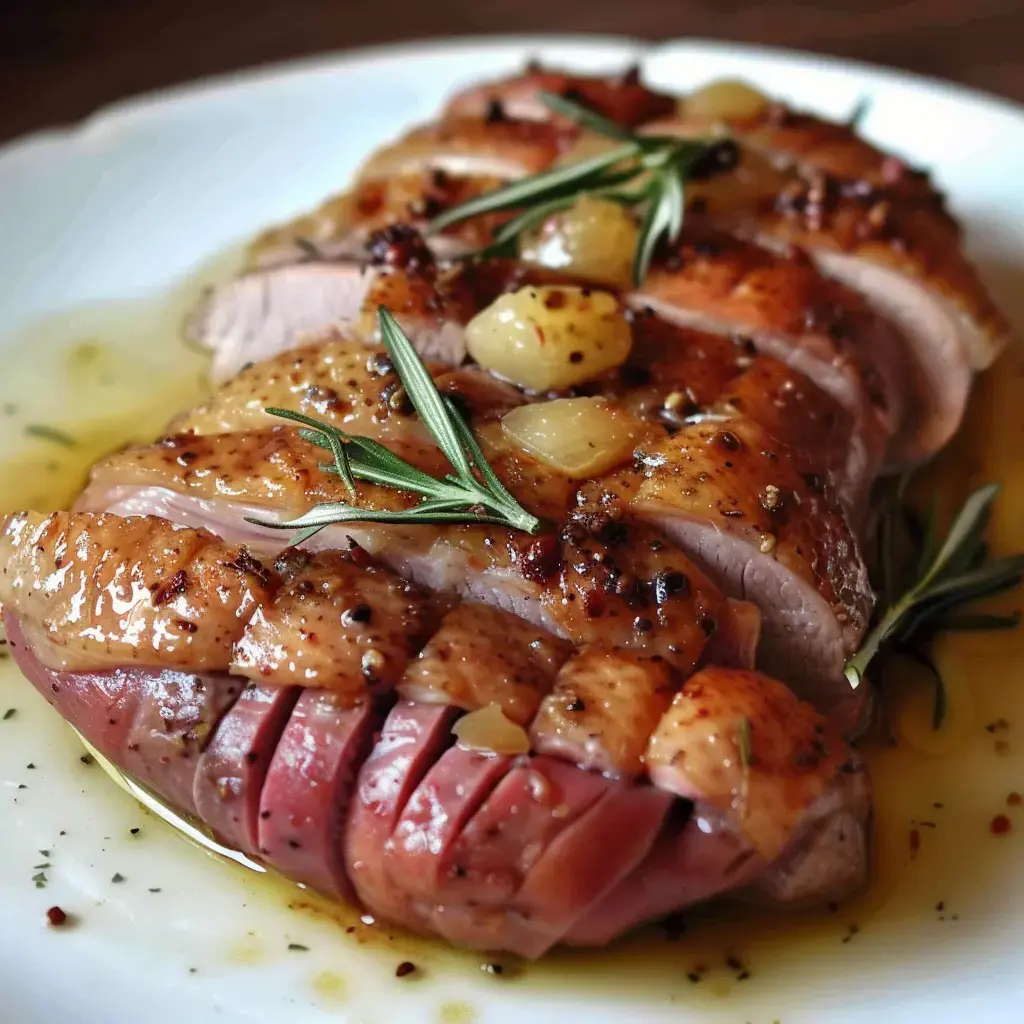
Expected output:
(115, 374)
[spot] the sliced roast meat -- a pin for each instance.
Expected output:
(621, 97)
(596, 851)
(736, 638)
(732, 498)
(604, 705)
(339, 381)
(418, 853)
(306, 794)
(413, 738)
(154, 723)
(101, 591)
(797, 414)
(266, 312)
(742, 745)
(533, 804)
(797, 139)
(676, 374)
(600, 582)
(691, 862)
(234, 765)
(789, 311)
(471, 146)
(482, 655)
(341, 227)
(346, 627)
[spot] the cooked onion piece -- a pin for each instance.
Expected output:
(726, 99)
(594, 238)
(488, 729)
(578, 437)
(550, 338)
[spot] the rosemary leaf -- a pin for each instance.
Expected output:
(472, 495)
(583, 116)
(645, 171)
(949, 575)
(562, 182)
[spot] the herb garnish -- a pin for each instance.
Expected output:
(473, 494)
(647, 171)
(861, 109)
(9, 714)
(47, 433)
(945, 576)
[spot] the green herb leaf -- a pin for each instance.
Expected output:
(473, 495)
(950, 574)
(47, 433)
(607, 175)
(860, 110)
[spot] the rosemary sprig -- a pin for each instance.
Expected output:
(472, 494)
(645, 171)
(947, 575)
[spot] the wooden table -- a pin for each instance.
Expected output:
(61, 59)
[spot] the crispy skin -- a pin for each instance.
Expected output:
(481, 656)
(98, 590)
(604, 706)
(741, 742)
(622, 98)
(337, 625)
(343, 224)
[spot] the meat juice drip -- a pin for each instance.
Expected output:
(81, 383)
(944, 876)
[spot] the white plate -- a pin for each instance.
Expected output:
(133, 202)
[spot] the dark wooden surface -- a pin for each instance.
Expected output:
(61, 59)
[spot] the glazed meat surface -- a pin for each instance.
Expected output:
(507, 740)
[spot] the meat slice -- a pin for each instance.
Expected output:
(624, 584)
(233, 767)
(691, 862)
(344, 383)
(471, 146)
(602, 710)
(676, 374)
(418, 854)
(482, 655)
(153, 723)
(339, 381)
(577, 869)
(798, 415)
(342, 226)
(533, 804)
(621, 98)
(413, 738)
(732, 498)
(740, 744)
(100, 591)
(334, 624)
(792, 313)
(266, 312)
(304, 803)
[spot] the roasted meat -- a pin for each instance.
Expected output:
(509, 740)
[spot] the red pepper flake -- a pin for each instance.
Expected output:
(56, 917)
(915, 842)
(1000, 825)
(1014, 800)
